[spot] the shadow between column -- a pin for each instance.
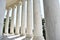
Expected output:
(27, 38)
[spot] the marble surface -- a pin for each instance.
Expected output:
(15, 37)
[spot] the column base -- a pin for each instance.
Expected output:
(38, 38)
(6, 33)
(27, 39)
(17, 34)
(23, 35)
(29, 35)
(11, 33)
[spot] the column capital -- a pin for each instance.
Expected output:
(16, 3)
(8, 8)
(13, 6)
(24, 0)
(19, 3)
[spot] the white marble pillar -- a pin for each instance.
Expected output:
(7, 21)
(12, 20)
(38, 30)
(2, 12)
(29, 18)
(18, 21)
(52, 16)
(23, 18)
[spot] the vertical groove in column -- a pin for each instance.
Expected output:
(18, 17)
(24, 17)
(38, 31)
(7, 22)
(12, 21)
(29, 18)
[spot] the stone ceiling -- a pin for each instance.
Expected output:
(10, 2)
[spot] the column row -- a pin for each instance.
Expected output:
(52, 15)
(33, 17)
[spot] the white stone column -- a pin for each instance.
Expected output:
(2, 12)
(29, 18)
(18, 17)
(38, 30)
(52, 16)
(7, 21)
(12, 20)
(23, 18)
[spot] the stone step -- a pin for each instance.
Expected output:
(15, 37)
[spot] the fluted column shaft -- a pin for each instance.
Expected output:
(23, 18)
(52, 16)
(38, 32)
(29, 18)
(12, 21)
(18, 17)
(7, 22)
